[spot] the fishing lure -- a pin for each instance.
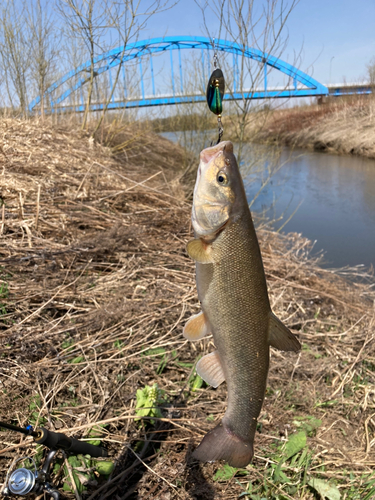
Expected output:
(215, 93)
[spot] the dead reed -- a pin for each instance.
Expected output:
(344, 126)
(95, 289)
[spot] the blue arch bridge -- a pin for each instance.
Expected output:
(135, 76)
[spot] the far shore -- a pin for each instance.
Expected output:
(339, 126)
(342, 127)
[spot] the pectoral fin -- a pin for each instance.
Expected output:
(210, 369)
(280, 337)
(199, 251)
(196, 328)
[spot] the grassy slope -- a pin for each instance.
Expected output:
(342, 126)
(96, 287)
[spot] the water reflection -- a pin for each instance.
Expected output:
(338, 203)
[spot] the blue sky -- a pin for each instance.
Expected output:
(336, 36)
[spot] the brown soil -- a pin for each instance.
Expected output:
(95, 274)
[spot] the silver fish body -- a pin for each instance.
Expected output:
(235, 306)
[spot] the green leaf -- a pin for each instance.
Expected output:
(68, 485)
(96, 432)
(148, 400)
(296, 443)
(80, 476)
(156, 351)
(143, 412)
(94, 442)
(197, 384)
(56, 468)
(162, 365)
(104, 468)
(118, 344)
(184, 365)
(227, 472)
(307, 424)
(76, 360)
(323, 404)
(141, 398)
(280, 477)
(73, 461)
(324, 489)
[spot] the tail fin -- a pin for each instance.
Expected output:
(222, 444)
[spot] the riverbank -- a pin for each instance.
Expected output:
(342, 127)
(95, 289)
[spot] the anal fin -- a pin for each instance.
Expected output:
(199, 251)
(210, 369)
(196, 328)
(280, 337)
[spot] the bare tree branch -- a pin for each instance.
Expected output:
(43, 40)
(14, 52)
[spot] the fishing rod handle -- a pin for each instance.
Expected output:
(57, 440)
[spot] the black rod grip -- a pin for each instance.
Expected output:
(57, 440)
(85, 448)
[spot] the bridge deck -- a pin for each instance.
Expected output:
(165, 99)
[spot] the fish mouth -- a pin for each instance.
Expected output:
(209, 154)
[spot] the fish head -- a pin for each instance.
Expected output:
(219, 192)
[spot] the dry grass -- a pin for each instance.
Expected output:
(342, 126)
(96, 289)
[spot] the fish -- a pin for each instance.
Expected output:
(236, 310)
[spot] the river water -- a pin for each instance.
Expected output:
(330, 199)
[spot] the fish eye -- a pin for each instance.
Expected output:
(222, 178)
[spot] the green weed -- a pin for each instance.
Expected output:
(195, 382)
(118, 344)
(83, 469)
(67, 343)
(96, 433)
(148, 401)
(227, 472)
(4, 294)
(308, 424)
(156, 352)
(288, 473)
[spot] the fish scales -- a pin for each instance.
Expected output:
(234, 298)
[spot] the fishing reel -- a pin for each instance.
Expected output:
(23, 481)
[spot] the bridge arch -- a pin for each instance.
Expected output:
(303, 84)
